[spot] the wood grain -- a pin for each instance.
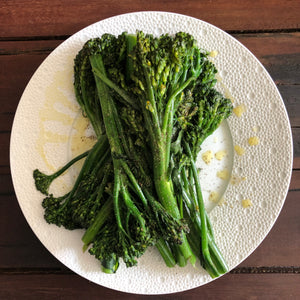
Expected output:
(296, 163)
(41, 18)
(19, 247)
(279, 53)
(295, 181)
(229, 287)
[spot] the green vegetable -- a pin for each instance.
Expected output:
(152, 103)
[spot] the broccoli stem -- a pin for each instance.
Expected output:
(117, 148)
(217, 264)
(100, 219)
(43, 181)
(110, 265)
(165, 192)
(201, 207)
(98, 150)
(130, 44)
(134, 182)
(112, 85)
(181, 260)
(132, 208)
(166, 253)
(160, 143)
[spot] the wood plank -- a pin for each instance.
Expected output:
(71, 286)
(264, 44)
(290, 95)
(295, 181)
(296, 163)
(6, 187)
(4, 148)
(41, 18)
(296, 141)
(19, 247)
(18, 61)
(35, 47)
(279, 53)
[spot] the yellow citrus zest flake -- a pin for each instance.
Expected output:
(222, 201)
(239, 150)
(239, 110)
(253, 141)
(213, 53)
(220, 154)
(237, 180)
(246, 203)
(223, 174)
(207, 156)
(213, 197)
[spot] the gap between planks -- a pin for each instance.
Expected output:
(64, 37)
(239, 270)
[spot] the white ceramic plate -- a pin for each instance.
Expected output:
(44, 123)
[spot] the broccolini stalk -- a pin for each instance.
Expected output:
(192, 214)
(90, 234)
(84, 86)
(64, 211)
(166, 253)
(43, 181)
(125, 240)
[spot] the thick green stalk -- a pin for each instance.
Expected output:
(132, 208)
(165, 192)
(111, 131)
(134, 182)
(214, 263)
(204, 240)
(181, 260)
(160, 152)
(100, 219)
(130, 44)
(166, 253)
(128, 100)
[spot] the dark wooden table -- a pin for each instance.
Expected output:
(31, 29)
